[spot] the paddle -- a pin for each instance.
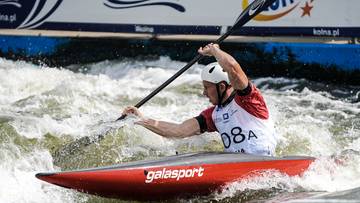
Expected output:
(251, 11)
(248, 13)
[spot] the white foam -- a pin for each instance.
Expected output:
(18, 182)
(325, 174)
(57, 101)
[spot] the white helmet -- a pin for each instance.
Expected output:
(214, 73)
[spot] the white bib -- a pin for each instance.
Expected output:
(242, 132)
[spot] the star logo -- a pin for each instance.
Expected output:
(307, 9)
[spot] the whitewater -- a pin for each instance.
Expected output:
(43, 109)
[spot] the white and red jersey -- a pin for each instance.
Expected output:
(243, 123)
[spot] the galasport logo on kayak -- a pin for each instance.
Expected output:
(176, 174)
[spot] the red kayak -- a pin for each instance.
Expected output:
(185, 175)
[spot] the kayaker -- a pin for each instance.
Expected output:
(239, 112)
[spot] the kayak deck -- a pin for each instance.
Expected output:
(184, 175)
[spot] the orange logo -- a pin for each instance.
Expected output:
(289, 6)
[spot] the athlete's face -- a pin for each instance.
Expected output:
(210, 92)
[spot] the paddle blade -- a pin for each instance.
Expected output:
(251, 11)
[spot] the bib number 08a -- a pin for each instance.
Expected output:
(236, 136)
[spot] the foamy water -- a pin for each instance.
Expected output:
(41, 107)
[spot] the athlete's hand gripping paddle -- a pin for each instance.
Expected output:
(250, 12)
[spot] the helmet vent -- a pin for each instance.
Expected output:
(211, 69)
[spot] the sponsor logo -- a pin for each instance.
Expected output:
(326, 32)
(280, 8)
(147, 29)
(173, 174)
(26, 14)
(118, 4)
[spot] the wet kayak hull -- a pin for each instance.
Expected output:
(185, 175)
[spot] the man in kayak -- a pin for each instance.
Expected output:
(239, 112)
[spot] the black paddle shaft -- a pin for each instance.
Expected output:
(251, 11)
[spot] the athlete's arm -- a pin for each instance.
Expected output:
(238, 78)
(187, 128)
